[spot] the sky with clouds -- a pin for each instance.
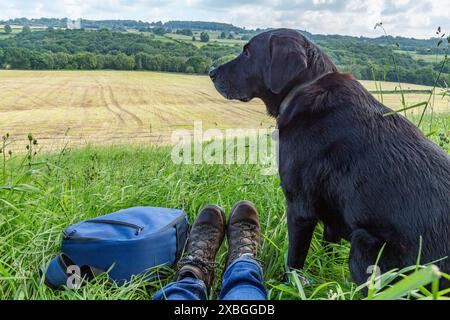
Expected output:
(415, 18)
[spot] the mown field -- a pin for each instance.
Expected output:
(114, 107)
(432, 58)
(106, 107)
(115, 156)
(15, 30)
(214, 38)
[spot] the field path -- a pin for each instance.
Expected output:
(107, 106)
(118, 106)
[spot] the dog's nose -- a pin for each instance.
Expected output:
(213, 73)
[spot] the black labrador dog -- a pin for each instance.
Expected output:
(372, 179)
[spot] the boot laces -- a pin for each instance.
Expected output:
(247, 242)
(201, 251)
(204, 265)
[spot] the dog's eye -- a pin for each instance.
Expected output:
(246, 53)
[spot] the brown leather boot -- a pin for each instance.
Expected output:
(205, 239)
(243, 231)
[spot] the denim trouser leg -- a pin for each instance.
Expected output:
(185, 289)
(243, 280)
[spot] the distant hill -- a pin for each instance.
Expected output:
(203, 25)
(128, 24)
(408, 44)
(107, 44)
(88, 24)
(105, 49)
(44, 22)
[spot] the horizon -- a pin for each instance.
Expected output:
(405, 18)
(239, 26)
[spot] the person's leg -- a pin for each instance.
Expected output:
(243, 278)
(196, 271)
(189, 288)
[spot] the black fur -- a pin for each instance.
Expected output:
(372, 179)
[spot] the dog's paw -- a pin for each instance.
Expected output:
(294, 276)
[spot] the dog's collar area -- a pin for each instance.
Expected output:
(291, 95)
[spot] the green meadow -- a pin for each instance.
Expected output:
(42, 194)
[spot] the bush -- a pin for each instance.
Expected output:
(85, 60)
(190, 69)
(159, 31)
(8, 29)
(186, 32)
(41, 61)
(61, 60)
(124, 62)
(199, 64)
(204, 37)
(16, 58)
(106, 61)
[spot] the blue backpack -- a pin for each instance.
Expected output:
(125, 243)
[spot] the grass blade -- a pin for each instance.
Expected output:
(422, 277)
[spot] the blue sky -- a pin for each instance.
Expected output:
(415, 18)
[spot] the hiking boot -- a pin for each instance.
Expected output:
(205, 238)
(243, 231)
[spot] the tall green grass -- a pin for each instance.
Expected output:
(42, 194)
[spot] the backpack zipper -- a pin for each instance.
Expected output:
(71, 238)
(118, 223)
(125, 224)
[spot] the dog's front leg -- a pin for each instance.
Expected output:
(300, 231)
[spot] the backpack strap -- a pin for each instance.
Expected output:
(59, 272)
(56, 275)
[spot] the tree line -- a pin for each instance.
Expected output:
(408, 44)
(105, 49)
(126, 24)
(369, 61)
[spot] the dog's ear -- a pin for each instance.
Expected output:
(287, 60)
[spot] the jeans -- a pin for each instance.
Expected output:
(243, 280)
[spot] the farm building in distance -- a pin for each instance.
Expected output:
(74, 24)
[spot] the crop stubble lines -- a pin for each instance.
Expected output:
(118, 106)
(124, 107)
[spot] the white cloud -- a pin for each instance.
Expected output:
(418, 18)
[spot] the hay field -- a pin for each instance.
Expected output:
(111, 107)
(214, 39)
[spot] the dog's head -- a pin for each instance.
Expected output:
(270, 65)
